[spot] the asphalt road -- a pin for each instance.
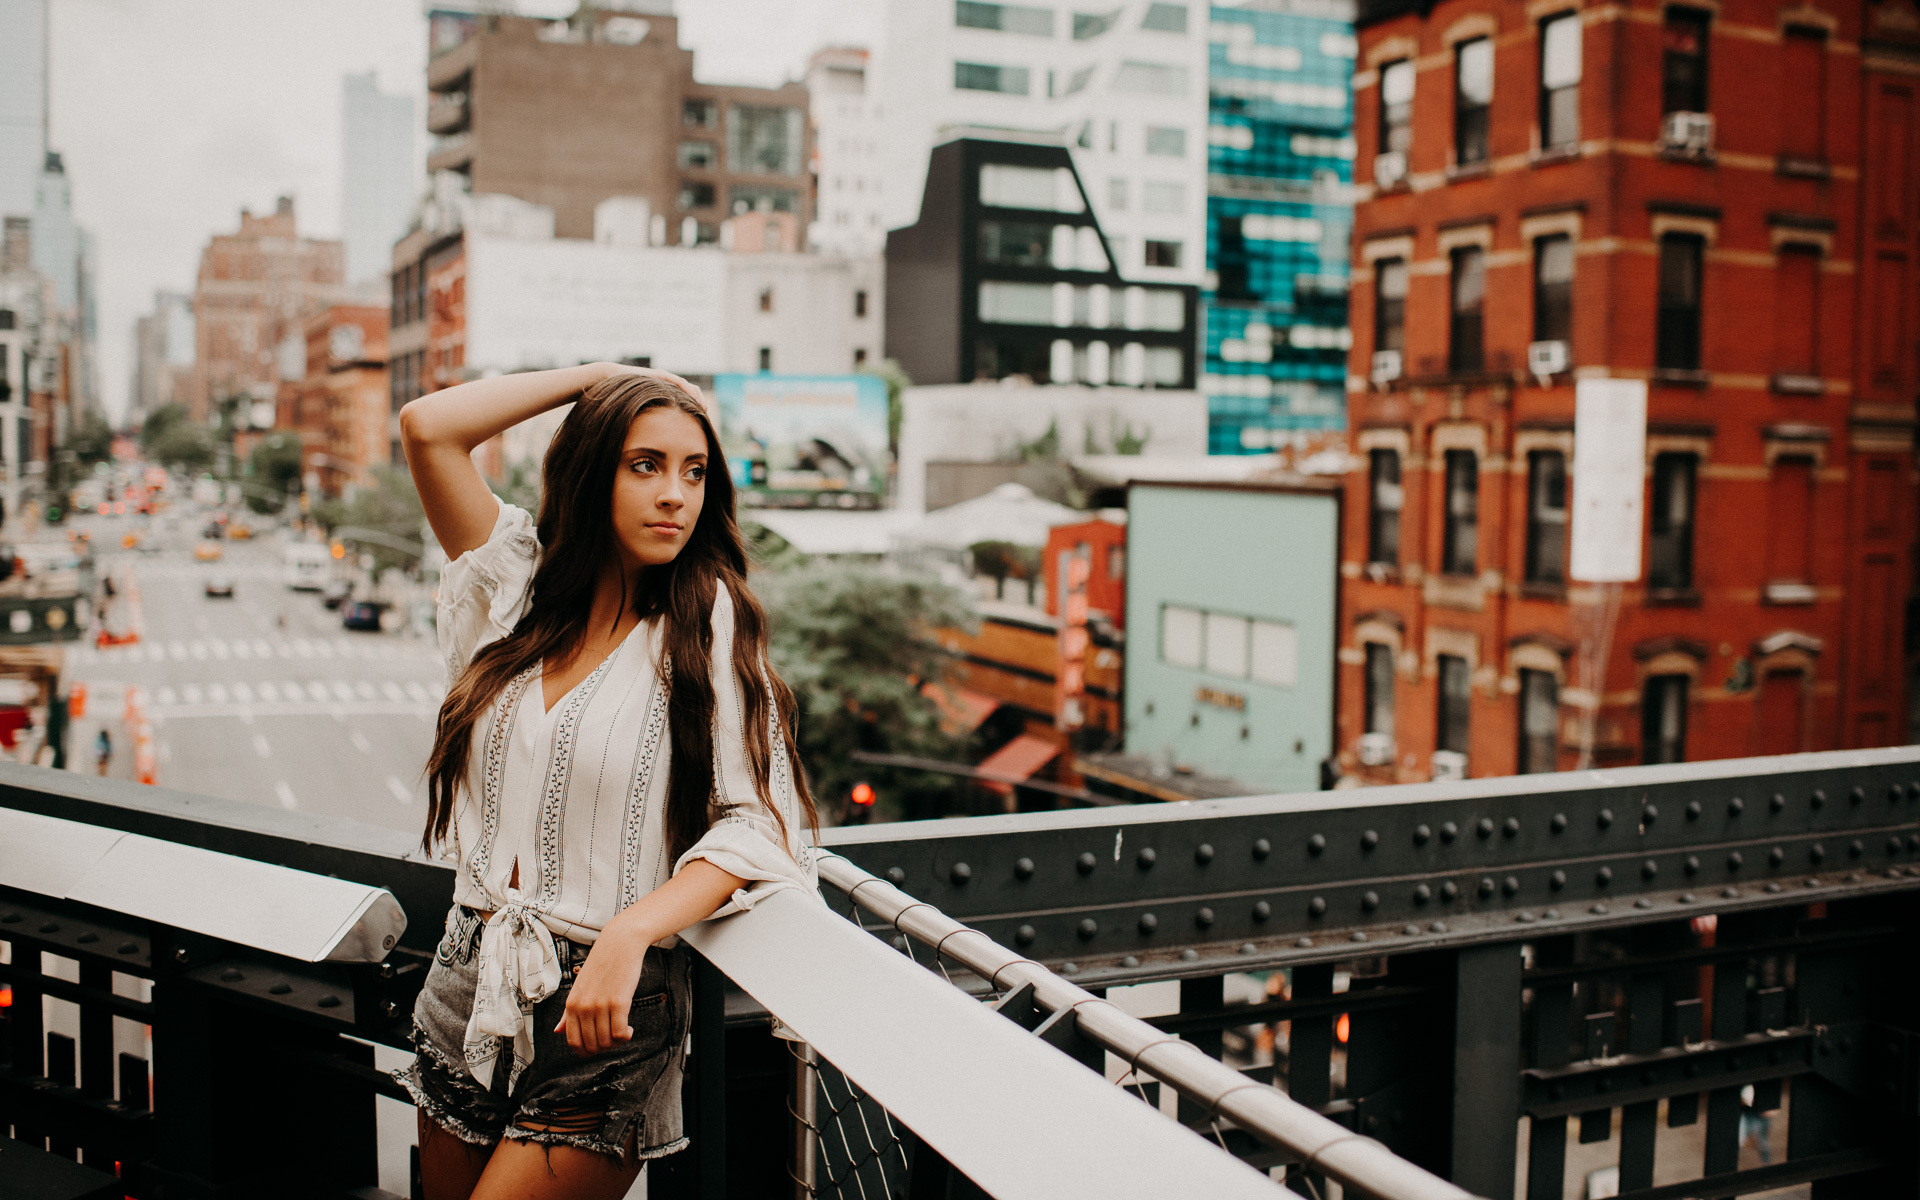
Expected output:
(262, 697)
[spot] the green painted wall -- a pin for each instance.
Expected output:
(1264, 555)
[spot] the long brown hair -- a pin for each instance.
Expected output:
(576, 538)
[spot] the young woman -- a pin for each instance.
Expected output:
(613, 763)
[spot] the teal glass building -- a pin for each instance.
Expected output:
(1279, 216)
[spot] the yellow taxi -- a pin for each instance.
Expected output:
(207, 552)
(239, 531)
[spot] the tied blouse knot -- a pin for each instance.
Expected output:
(577, 795)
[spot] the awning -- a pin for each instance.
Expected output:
(962, 710)
(1016, 762)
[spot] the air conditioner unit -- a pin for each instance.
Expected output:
(1390, 168)
(1386, 367)
(1687, 133)
(1546, 358)
(1449, 764)
(1376, 749)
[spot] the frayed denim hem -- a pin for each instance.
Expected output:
(438, 1113)
(592, 1143)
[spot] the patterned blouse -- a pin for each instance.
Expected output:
(577, 795)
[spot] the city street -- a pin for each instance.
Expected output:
(262, 697)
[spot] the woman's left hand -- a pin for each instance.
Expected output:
(602, 995)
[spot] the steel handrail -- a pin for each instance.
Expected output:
(1359, 1163)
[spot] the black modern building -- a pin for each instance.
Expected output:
(1007, 273)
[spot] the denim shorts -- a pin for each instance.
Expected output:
(596, 1103)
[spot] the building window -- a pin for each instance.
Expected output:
(1804, 78)
(1016, 243)
(860, 304)
(1167, 140)
(700, 114)
(1539, 722)
(1166, 18)
(1117, 195)
(1671, 547)
(698, 154)
(1677, 340)
(763, 199)
(859, 357)
(1553, 288)
(1456, 703)
(1546, 517)
(1162, 197)
(696, 195)
(984, 77)
(1003, 302)
(1379, 688)
(1042, 189)
(1092, 25)
(766, 299)
(766, 358)
(1390, 304)
(1472, 97)
(1560, 43)
(1466, 346)
(1460, 539)
(764, 141)
(1796, 311)
(1663, 719)
(1162, 254)
(1683, 61)
(1007, 18)
(1790, 520)
(1396, 107)
(1385, 499)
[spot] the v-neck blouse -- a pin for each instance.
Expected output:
(578, 795)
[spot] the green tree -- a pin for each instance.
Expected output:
(897, 382)
(92, 441)
(856, 643)
(182, 444)
(273, 465)
(159, 422)
(390, 507)
(1001, 561)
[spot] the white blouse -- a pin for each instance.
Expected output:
(577, 795)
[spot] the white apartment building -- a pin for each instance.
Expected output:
(1124, 87)
(848, 152)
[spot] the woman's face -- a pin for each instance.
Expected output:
(659, 486)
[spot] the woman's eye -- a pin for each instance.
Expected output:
(696, 473)
(645, 466)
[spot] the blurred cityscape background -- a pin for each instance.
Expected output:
(1136, 404)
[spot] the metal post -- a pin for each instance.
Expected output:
(1552, 1034)
(1207, 994)
(806, 1119)
(1486, 1068)
(1639, 1123)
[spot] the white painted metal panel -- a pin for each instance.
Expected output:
(1609, 479)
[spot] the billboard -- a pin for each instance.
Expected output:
(1609, 479)
(805, 441)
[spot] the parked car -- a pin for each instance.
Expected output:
(362, 615)
(239, 531)
(207, 552)
(335, 592)
(219, 586)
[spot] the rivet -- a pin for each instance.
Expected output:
(1449, 831)
(1855, 877)
(1486, 885)
(1693, 864)
(1369, 901)
(1087, 927)
(1247, 947)
(1857, 795)
(1735, 861)
(1510, 885)
(1085, 862)
(1606, 817)
(1358, 936)
(1317, 906)
(1552, 914)
(1913, 791)
(281, 988)
(1773, 889)
(88, 938)
(1559, 823)
(13, 918)
(1149, 922)
(1896, 794)
(1262, 847)
(1421, 833)
(1603, 876)
(1069, 968)
(232, 976)
(1203, 853)
(896, 876)
(1438, 926)
(1598, 909)
(1817, 852)
(1643, 902)
(1525, 918)
(1410, 930)
(1203, 918)
(1736, 806)
(1913, 841)
(1484, 827)
(1023, 869)
(1024, 935)
(128, 948)
(1810, 882)
(50, 927)
(1729, 892)
(960, 874)
(1557, 880)
(1130, 961)
(328, 1001)
(1693, 810)
(180, 955)
(1686, 897)
(1147, 857)
(1649, 869)
(1303, 942)
(1317, 844)
(1422, 893)
(1449, 890)
(1817, 798)
(1856, 847)
(1512, 827)
(1262, 910)
(1893, 845)
(1650, 813)
(1778, 803)
(1369, 840)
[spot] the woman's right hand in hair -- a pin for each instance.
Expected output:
(614, 369)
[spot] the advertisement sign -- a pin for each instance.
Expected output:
(805, 441)
(1609, 479)
(1071, 674)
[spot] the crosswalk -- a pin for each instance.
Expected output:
(326, 693)
(386, 649)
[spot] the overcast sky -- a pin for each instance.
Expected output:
(174, 114)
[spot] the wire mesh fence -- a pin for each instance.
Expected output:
(848, 1145)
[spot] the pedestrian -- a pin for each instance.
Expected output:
(102, 750)
(1756, 1125)
(613, 762)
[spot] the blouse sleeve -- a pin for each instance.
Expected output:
(744, 839)
(484, 592)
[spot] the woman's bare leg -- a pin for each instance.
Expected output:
(535, 1171)
(449, 1167)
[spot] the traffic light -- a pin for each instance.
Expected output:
(860, 804)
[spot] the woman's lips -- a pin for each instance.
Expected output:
(665, 528)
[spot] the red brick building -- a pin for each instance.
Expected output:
(340, 408)
(1720, 200)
